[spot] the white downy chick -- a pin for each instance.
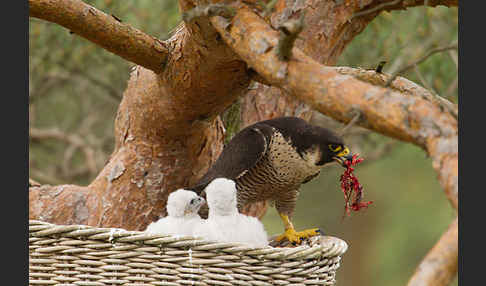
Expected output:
(182, 214)
(224, 223)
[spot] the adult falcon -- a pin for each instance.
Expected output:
(270, 159)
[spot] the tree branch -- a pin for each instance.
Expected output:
(422, 79)
(350, 124)
(420, 60)
(33, 183)
(439, 266)
(207, 10)
(327, 31)
(399, 84)
(72, 139)
(412, 118)
(167, 134)
(112, 93)
(44, 178)
(151, 159)
(289, 32)
(376, 7)
(436, 131)
(103, 30)
(47, 83)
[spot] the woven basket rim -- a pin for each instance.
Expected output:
(327, 246)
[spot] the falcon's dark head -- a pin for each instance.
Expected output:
(337, 152)
(328, 145)
(315, 144)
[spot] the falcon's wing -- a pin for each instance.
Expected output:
(244, 150)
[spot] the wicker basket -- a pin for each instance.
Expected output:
(84, 255)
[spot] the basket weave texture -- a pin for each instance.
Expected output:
(84, 255)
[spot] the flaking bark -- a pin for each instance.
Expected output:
(167, 129)
(166, 135)
(411, 119)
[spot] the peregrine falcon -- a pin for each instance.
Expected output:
(270, 159)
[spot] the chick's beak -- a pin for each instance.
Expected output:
(202, 201)
(343, 156)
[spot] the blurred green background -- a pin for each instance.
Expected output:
(75, 88)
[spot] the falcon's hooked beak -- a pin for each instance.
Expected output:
(343, 156)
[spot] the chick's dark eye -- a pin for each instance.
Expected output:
(193, 201)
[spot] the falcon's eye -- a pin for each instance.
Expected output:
(193, 201)
(335, 147)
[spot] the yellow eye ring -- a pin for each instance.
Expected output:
(344, 152)
(334, 148)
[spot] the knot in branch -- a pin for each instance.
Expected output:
(208, 11)
(288, 34)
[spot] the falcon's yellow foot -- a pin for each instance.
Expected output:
(296, 237)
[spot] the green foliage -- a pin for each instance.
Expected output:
(402, 37)
(231, 120)
(77, 86)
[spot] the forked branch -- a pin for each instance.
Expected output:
(376, 7)
(72, 140)
(453, 46)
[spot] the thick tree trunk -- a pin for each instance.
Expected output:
(167, 127)
(167, 133)
(167, 130)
